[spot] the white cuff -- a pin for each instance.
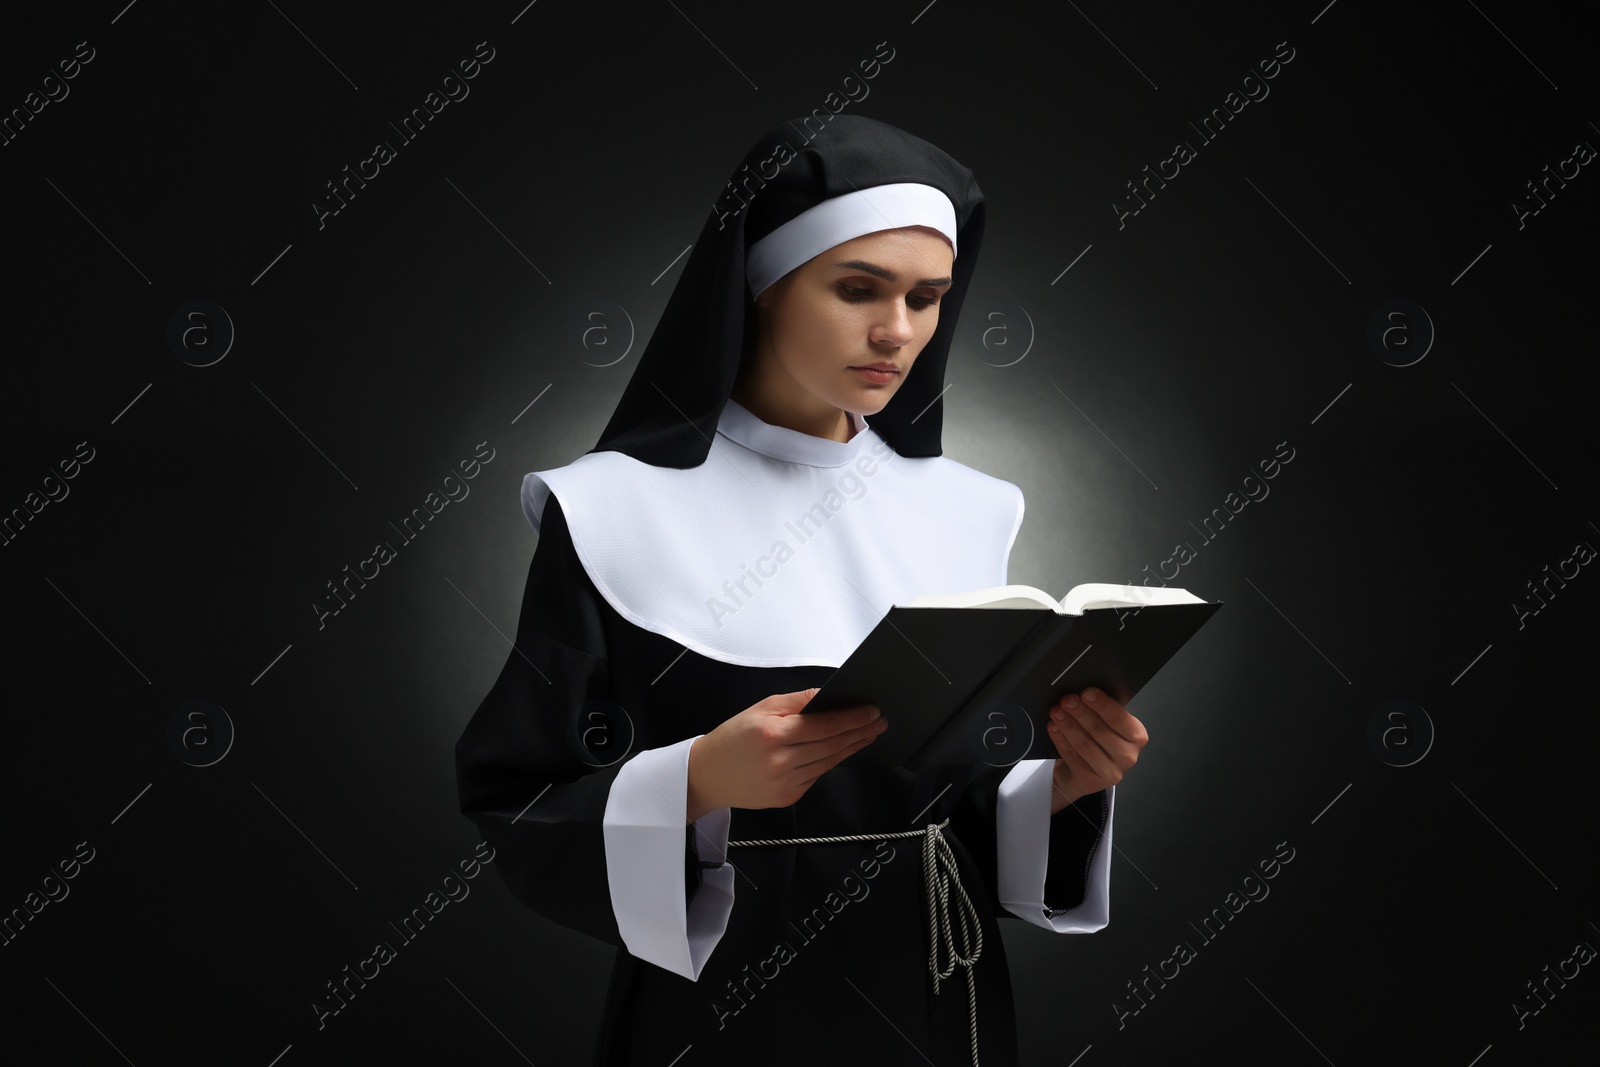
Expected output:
(1022, 815)
(644, 832)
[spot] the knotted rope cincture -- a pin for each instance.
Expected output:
(935, 852)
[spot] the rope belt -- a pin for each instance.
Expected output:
(935, 850)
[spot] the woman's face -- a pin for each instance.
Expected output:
(874, 299)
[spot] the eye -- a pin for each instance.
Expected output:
(855, 295)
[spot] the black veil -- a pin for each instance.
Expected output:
(669, 411)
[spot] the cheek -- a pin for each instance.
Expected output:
(829, 332)
(810, 341)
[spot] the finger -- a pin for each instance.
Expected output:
(820, 725)
(1080, 749)
(851, 750)
(1124, 753)
(817, 768)
(1109, 711)
(793, 703)
(1079, 773)
(835, 747)
(1088, 750)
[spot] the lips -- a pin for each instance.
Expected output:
(878, 366)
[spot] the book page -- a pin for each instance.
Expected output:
(1000, 596)
(1104, 595)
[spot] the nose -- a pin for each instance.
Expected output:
(895, 328)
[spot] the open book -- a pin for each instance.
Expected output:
(1079, 598)
(971, 677)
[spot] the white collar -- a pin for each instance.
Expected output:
(740, 424)
(772, 552)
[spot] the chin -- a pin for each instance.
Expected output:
(867, 398)
(874, 402)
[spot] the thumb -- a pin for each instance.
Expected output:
(794, 702)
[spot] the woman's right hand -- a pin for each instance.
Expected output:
(768, 755)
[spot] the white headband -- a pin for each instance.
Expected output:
(843, 218)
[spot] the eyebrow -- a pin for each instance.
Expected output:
(889, 275)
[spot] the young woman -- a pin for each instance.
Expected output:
(771, 482)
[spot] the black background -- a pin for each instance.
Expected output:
(374, 352)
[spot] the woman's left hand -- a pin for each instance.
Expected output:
(1099, 741)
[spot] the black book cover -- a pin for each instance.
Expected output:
(976, 684)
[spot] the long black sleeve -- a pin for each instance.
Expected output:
(1075, 834)
(531, 766)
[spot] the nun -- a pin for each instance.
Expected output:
(771, 482)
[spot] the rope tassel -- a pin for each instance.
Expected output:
(936, 853)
